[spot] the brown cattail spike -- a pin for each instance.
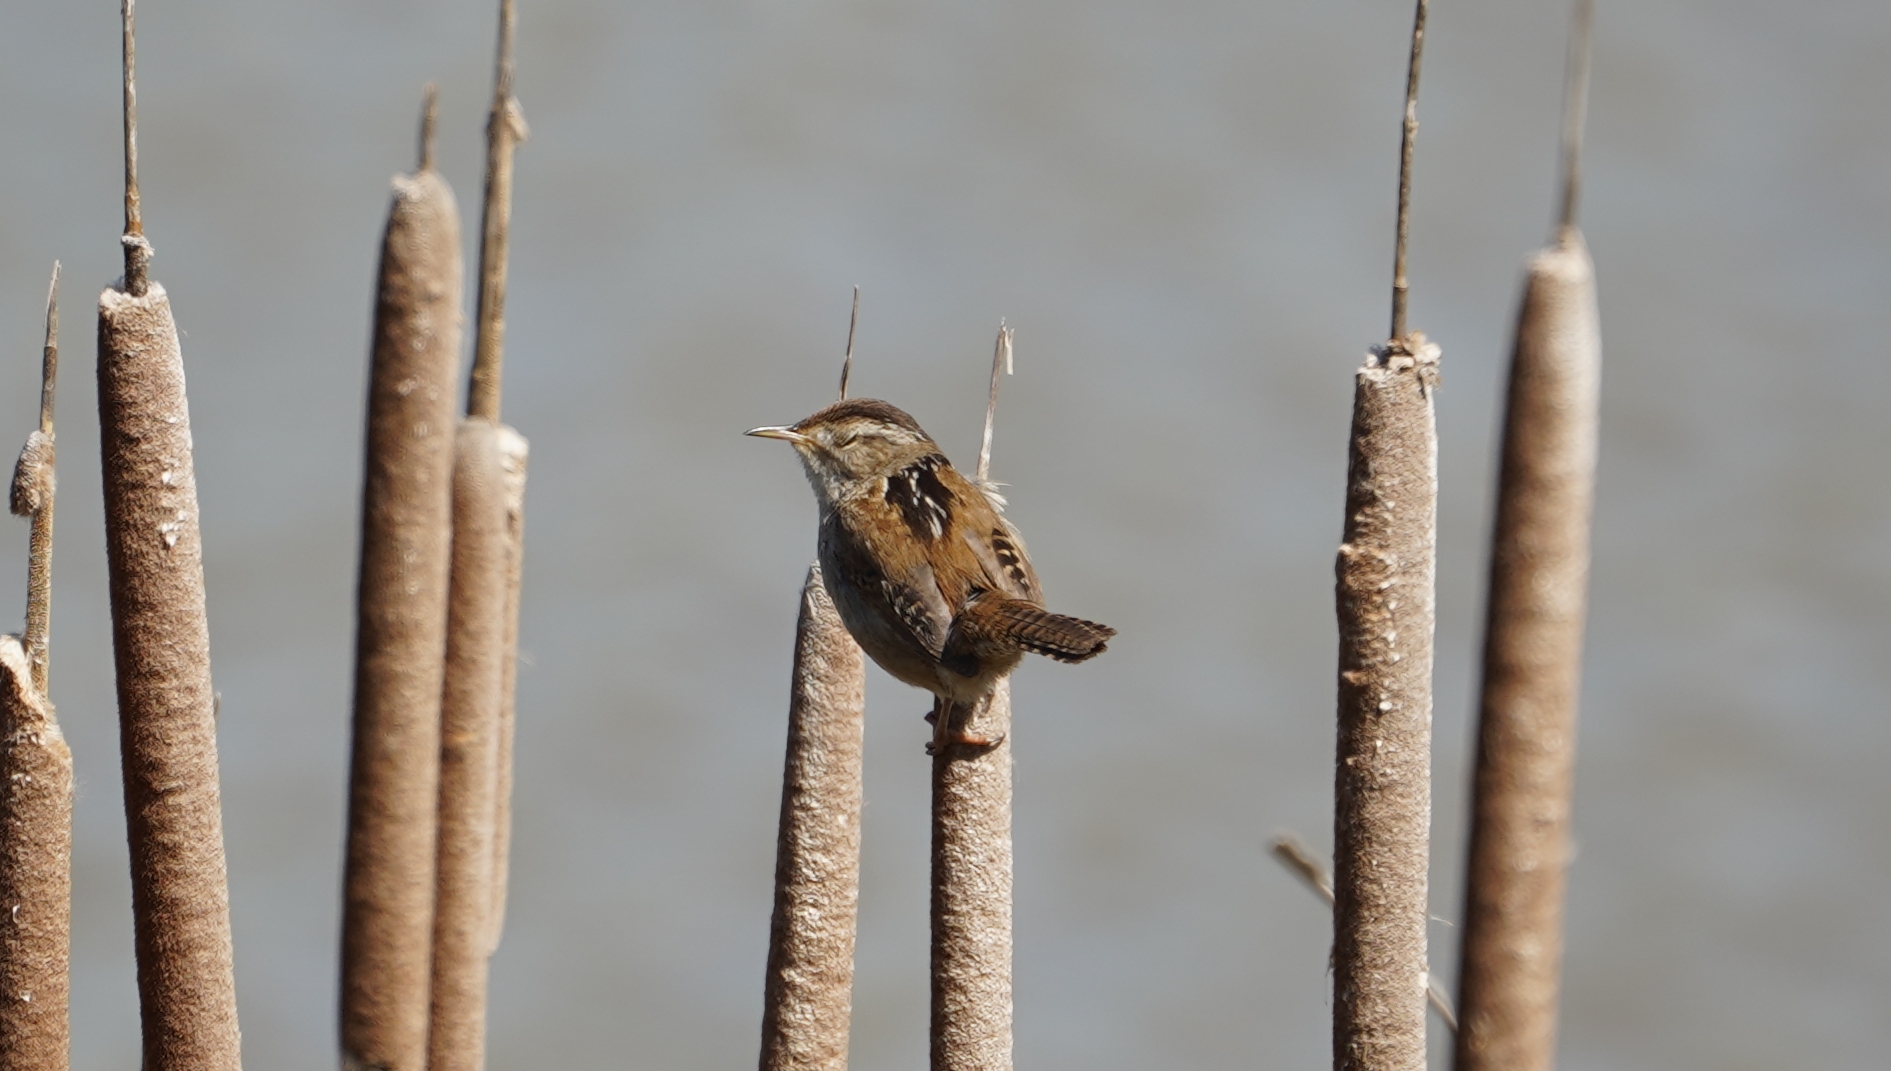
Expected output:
(401, 616)
(808, 995)
(513, 453)
(35, 873)
(469, 752)
(166, 705)
(1381, 840)
(971, 893)
(1386, 573)
(1520, 842)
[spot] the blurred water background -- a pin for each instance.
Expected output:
(1185, 210)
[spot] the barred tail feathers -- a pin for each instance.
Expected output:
(1067, 639)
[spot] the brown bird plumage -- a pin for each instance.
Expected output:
(928, 575)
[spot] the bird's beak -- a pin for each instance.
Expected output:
(785, 432)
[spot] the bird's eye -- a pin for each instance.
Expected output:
(847, 439)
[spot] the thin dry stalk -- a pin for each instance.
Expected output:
(167, 720)
(469, 752)
(1000, 365)
(406, 517)
(137, 250)
(1512, 943)
(33, 485)
(1408, 137)
(514, 452)
(1385, 595)
(505, 129)
(847, 364)
(35, 873)
(808, 996)
(971, 894)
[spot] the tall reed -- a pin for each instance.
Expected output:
(971, 861)
(1539, 572)
(1385, 595)
(808, 995)
(161, 647)
(401, 616)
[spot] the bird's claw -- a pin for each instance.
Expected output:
(970, 740)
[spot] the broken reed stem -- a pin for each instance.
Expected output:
(34, 481)
(469, 752)
(36, 771)
(1575, 111)
(505, 128)
(1293, 855)
(808, 994)
(35, 873)
(36, 808)
(514, 452)
(1000, 365)
(166, 706)
(971, 893)
(1382, 817)
(847, 364)
(406, 517)
(1511, 956)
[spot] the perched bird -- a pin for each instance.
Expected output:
(927, 574)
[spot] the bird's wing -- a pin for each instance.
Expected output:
(897, 585)
(984, 545)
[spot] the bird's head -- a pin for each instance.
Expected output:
(861, 439)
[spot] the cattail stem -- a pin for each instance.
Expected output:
(808, 996)
(1526, 754)
(35, 873)
(1408, 137)
(971, 894)
(137, 251)
(387, 918)
(505, 128)
(469, 752)
(167, 725)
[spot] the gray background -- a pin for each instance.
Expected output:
(1185, 210)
